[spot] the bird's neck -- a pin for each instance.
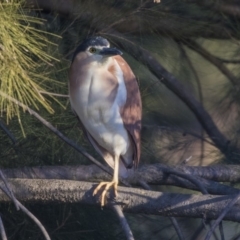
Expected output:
(105, 61)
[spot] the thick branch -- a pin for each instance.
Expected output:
(156, 174)
(132, 200)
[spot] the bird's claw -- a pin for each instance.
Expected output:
(107, 186)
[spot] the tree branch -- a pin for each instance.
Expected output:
(125, 226)
(5, 192)
(10, 135)
(178, 230)
(133, 200)
(221, 216)
(2, 230)
(156, 174)
(214, 60)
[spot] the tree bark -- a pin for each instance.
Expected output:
(132, 200)
(155, 174)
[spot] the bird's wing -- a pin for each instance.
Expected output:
(131, 112)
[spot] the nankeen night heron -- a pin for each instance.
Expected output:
(105, 96)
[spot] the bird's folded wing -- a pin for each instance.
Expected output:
(131, 112)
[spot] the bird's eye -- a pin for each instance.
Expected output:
(92, 50)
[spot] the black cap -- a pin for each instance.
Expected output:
(93, 41)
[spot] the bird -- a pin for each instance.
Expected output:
(105, 96)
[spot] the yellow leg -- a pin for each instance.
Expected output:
(107, 185)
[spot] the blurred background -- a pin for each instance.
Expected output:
(195, 41)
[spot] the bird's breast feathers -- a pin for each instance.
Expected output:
(97, 99)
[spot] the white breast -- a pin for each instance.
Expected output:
(100, 116)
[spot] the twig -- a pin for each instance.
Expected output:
(62, 223)
(2, 230)
(10, 135)
(173, 219)
(214, 60)
(231, 61)
(176, 226)
(54, 94)
(27, 212)
(42, 228)
(144, 184)
(198, 231)
(125, 226)
(199, 91)
(188, 177)
(221, 230)
(179, 130)
(9, 190)
(222, 215)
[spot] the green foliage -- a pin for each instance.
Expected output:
(23, 56)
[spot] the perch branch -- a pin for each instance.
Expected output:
(132, 200)
(155, 174)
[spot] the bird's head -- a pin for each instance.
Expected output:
(96, 49)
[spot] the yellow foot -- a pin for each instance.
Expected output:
(107, 186)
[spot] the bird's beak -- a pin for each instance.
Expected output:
(108, 52)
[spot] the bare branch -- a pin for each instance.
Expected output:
(214, 60)
(38, 223)
(156, 174)
(9, 190)
(199, 87)
(54, 94)
(176, 226)
(126, 228)
(27, 212)
(133, 200)
(173, 219)
(10, 135)
(231, 61)
(2, 230)
(190, 178)
(221, 230)
(221, 216)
